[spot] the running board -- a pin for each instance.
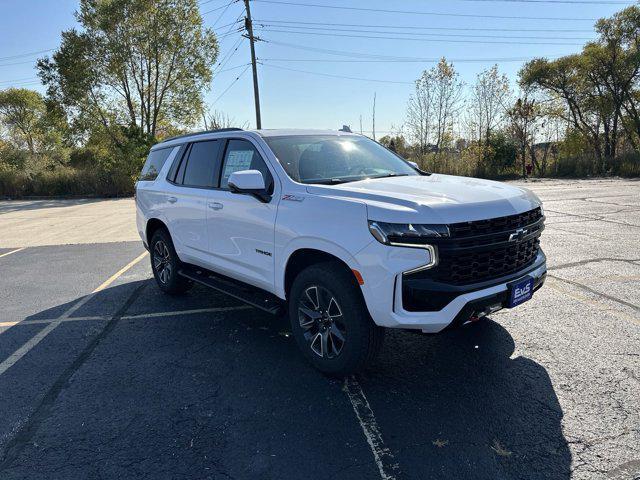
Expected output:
(245, 293)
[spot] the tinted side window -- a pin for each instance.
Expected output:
(242, 155)
(177, 160)
(155, 162)
(183, 163)
(201, 165)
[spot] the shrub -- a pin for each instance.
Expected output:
(65, 181)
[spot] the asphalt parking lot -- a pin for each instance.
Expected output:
(102, 376)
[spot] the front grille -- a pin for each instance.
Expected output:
(481, 250)
(493, 225)
(473, 267)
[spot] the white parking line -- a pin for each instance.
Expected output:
(557, 284)
(141, 316)
(12, 251)
(24, 349)
(185, 312)
(381, 454)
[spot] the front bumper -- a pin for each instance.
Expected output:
(461, 302)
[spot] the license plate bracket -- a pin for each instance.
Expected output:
(520, 291)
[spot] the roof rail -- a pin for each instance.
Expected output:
(204, 132)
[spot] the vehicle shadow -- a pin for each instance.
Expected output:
(139, 384)
(460, 405)
(227, 392)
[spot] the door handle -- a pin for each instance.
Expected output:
(215, 205)
(172, 199)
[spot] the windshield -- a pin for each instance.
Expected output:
(336, 159)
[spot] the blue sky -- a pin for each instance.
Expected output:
(463, 31)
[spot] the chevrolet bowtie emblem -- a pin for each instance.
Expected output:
(518, 235)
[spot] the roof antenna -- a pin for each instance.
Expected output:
(345, 128)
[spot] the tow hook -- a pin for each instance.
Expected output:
(475, 316)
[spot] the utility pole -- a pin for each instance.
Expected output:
(360, 124)
(249, 27)
(374, 116)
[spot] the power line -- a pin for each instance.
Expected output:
(37, 52)
(572, 2)
(237, 19)
(22, 84)
(420, 60)
(231, 85)
(413, 12)
(235, 22)
(421, 39)
(439, 35)
(389, 58)
(225, 35)
(227, 57)
(17, 63)
(337, 76)
(234, 68)
(219, 8)
(222, 14)
(29, 79)
(410, 27)
(22, 55)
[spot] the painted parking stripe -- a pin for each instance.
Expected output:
(23, 350)
(186, 312)
(141, 316)
(381, 454)
(553, 283)
(12, 251)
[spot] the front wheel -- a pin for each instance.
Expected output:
(330, 321)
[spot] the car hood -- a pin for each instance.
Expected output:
(433, 198)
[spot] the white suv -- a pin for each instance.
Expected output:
(337, 231)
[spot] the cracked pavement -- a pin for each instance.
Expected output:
(136, 384)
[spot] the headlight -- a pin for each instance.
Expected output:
(406, 234)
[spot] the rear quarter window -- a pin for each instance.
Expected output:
(155, 162)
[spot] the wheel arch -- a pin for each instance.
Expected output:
(305, 257)
(153, 225)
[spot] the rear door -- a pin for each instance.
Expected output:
(187, 194)
(240, 227)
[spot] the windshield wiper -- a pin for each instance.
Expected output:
(338, 180)
(387, 175)
(329, 181)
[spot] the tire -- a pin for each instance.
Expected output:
(330, 321)
(165, 264)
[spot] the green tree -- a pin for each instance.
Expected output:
(567, 78)
(32, 125)
(447, 101)
(396, 143)
(613, 61)
(134, 66)
(434, 104)
(598, 86)
(21, 114)
(488, 103)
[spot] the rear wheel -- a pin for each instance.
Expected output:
(330, 321)
(165, 264)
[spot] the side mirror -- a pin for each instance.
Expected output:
(249, 182)
(413, 164)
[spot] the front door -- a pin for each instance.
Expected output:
(241, 228)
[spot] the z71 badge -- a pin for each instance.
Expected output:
(292, 198)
